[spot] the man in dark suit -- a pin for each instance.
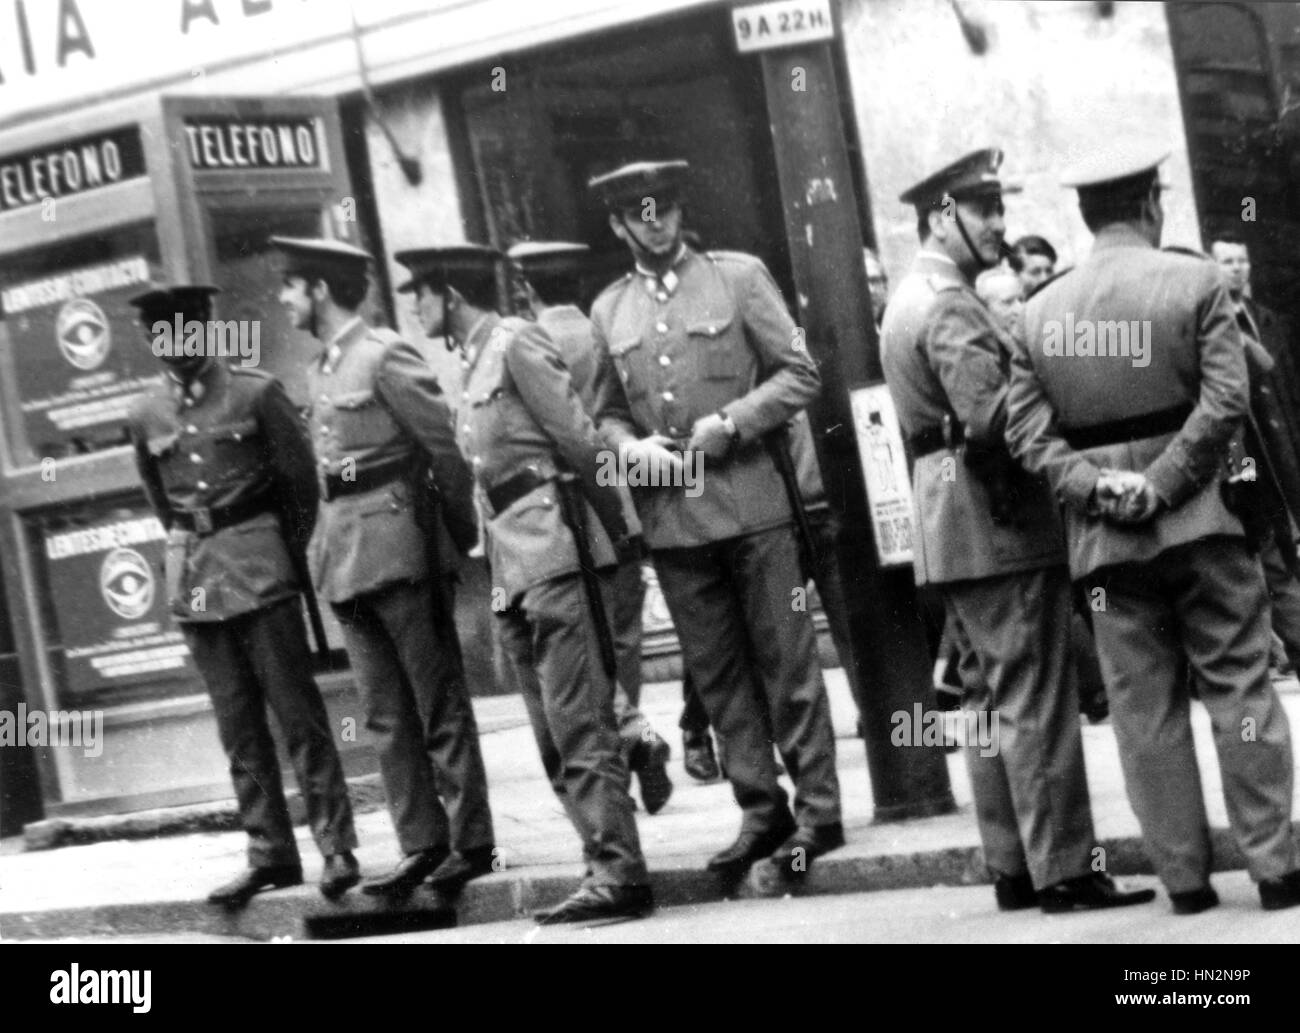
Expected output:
(227, 465)
(379, 420)
(1127, 394)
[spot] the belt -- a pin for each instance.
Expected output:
(206, 520)
(1132, 428)
(372, 477)
(935, 439)
(504, 495)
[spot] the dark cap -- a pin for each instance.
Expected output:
(454, 265)
(173, 297)
(312, 257)
(629, 185)
(548, 257)
(1117, 170)
(974, 175)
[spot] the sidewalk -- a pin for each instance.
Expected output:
(157, 886)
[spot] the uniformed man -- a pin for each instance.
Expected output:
(380, 426)
(547, 277)
(989, 538)
(1132, 431)
(226, 464)
(699, 355)
(530, 443)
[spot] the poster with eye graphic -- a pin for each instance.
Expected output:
(106, 584)
(80, 357)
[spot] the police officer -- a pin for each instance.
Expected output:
(226, 464)
(378, 421)
(698, 353)
(989, 538)
(525, 433)
(1133, 432)
(547, 280)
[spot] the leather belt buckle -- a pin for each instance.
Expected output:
(202, 517)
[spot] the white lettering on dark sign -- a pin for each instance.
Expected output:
(221, 145)
(69, 168)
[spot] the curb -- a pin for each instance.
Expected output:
(301, 913)
(366, 791)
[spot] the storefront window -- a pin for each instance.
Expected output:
(74, 357)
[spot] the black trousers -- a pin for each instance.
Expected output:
(249, 662)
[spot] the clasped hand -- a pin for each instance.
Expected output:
(1126, 497)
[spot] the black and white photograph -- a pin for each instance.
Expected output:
(672, 472)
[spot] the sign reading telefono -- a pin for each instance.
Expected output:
(108, 592)
(80, 357)
(70, 167)
(225, 144)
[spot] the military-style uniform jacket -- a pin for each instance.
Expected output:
(1196, 360)
(571, 332)
(712, 335)
(375, 401)
(232, 442)
(943, 355)
(519, 413)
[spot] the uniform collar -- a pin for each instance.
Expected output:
(653, 282)
(333, 350)
(190, 393)
(935, 263)
(1119, 234)
(476, 340)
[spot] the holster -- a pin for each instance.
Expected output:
(1007, 483)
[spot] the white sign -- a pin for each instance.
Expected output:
(884, 467)
(783, 23)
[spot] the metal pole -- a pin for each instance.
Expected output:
(821, 217)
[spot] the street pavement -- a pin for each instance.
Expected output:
(156, 887)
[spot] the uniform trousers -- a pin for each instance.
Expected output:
(624, 598)
(248, 662)
(548, 639)
(1030, 788)
(746, 640)
(417, 706)
(1203, 603)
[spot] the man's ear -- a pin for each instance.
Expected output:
(319, 290)
(938, 223)
(616, 224)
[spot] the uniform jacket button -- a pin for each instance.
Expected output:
(661, 327)
(668, 396)
(664, 360)
(202, 485)
(195, 457)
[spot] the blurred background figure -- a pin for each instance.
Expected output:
(877, 283)
(1034, 261)
(1001, 291)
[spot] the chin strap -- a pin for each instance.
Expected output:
(970, 244)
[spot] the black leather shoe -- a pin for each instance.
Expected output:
(649, 761)
(450, 877)
(1276, 894)
(1015, 892)
(1090, 893)
(594, 902)
(340, 874)
(1193, 902)
(701, 763)
(408, 874)
(240, 890)
(750, 846)
(794, 855)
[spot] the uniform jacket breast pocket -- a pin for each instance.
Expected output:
(721, 354)
(236, 444)
(630, 360)
(361, 420)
